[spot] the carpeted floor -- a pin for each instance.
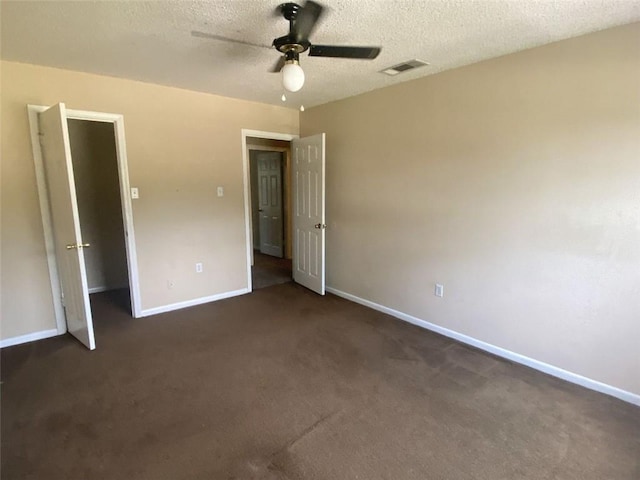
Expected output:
(268, 270)
(283, 384)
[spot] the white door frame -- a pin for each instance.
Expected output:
(125, 199)
(247, 186)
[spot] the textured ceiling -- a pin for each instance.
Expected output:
(152, 41)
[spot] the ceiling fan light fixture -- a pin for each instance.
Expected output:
(292, 76)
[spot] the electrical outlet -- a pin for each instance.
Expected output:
(199, 267)
(439, 291)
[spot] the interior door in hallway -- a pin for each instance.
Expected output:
(56, 152)
(270, 203)
(308, 212)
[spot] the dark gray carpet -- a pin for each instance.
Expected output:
(284, 384)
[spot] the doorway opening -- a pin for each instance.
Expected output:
(95, 170)
(270, 192)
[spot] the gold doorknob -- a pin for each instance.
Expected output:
(78, 245)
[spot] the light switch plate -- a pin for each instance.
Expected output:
(221, 191)
(134, 192)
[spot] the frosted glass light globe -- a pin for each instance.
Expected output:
(292, 77)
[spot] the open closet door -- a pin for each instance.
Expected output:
(56, 153)
(308, 212)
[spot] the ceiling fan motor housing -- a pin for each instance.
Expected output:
(289, 44)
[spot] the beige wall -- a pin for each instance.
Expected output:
(514, 182)
(180, 145)
(95, 169)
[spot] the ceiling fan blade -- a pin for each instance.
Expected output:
(279, 64)
(195, 33)
(368, 53)
(306, 20)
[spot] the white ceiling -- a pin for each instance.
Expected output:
(152, 41)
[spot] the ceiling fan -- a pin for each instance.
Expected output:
(302, 22)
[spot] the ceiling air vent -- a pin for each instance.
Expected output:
(404, 67)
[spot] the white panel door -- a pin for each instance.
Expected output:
(308, 212)
(56, 152)
(270, 203)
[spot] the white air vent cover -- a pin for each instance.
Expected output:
(404, 67)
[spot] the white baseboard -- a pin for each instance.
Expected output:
(192, 303)
(29, 337)
(501, 352)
